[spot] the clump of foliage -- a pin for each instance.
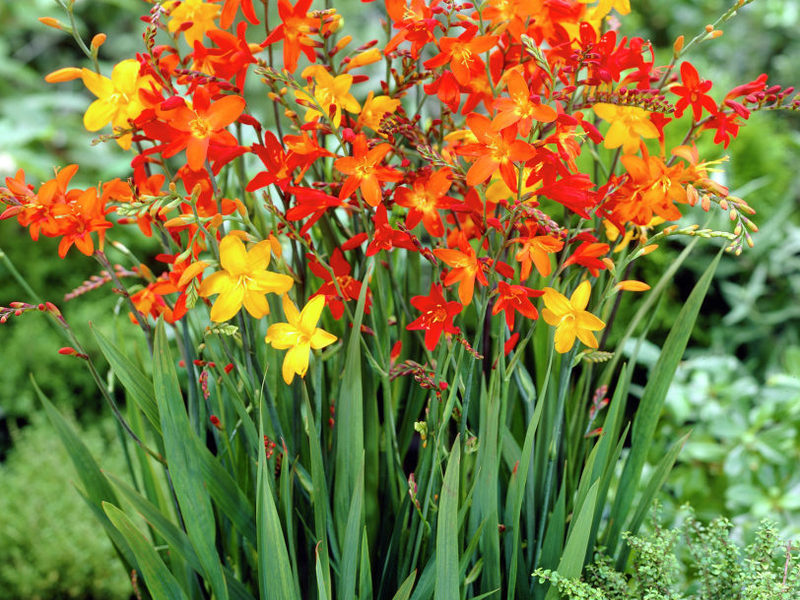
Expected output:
(692, 561)
(50, 546)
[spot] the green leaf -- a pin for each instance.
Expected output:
(274, 569)
(364, 570)
(652, 402)
(571, 563)
(350, 418)
(404, 591)
(136, 383)
(355, 520)
(160, 582)
(447, 575)
(657, 480)
(182, 449)
(97, 488)
(516, 491)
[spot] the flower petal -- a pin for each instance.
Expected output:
(232, 255)
(228, 304)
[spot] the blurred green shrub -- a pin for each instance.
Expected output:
(51, 546)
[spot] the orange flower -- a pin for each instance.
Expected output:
(462, 55)
(465, 267)
(519, 108)
(424, 201)
(364, 172)
(293, 30)
(494, 150)
(514, 299)
(536, 251)
(199, 126)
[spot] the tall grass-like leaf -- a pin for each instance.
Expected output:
(183, 450)
(274, 569)
(447, 572)
(364, 570)
(516, 492)
(657, 479)
(350, 418)
(571, 563)
(652, 402)
(160, 582)
(404, 591)
(97, 488)
(136, 383)
(355, 519)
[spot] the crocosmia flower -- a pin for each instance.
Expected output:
(243, 280)
(437, 316)
(118, 99)
(300, 335)
(570, 317)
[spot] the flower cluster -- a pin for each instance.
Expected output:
(525, 161)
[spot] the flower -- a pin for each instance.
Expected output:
(437, 316)
(570, 318)
(198, 14)
(299, 335)
(331, 94)
(693, 93)
(243, 280)
(364, 171)
(118, 99)
(628, 125)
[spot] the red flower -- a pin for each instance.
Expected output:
(350, 287)
(513, 299)
(693, 93)
(437, 316)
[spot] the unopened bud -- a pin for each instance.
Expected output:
(51, 22)
(62, 75)
(98, 40)
(677, 46)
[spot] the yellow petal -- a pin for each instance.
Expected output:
(98, 115)
(274, 283)
(282, 335)
(550, 317)
(97, 84)
(232, 255)
(290, 310)
(556, 302)
(580, 297)
(125, 76)
(311, 312)
(587, 320)
(258, 256)
(228, 304)
(256, 304)
(565, 337)
(587, 337)
(216, 283)
(296, 361)
(322, 338)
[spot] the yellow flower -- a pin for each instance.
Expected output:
(118, 99)
(570, 318)
(330, 93)
(299, 335)
(243, 280)
(628, 125)
(375, 108)
(200, 14)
